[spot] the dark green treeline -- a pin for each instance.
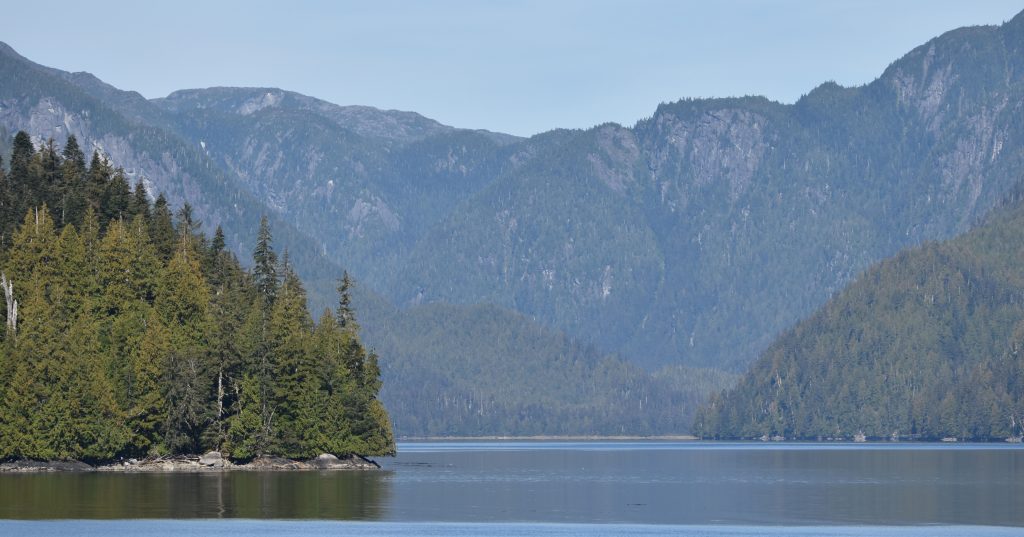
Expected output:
(136, 335)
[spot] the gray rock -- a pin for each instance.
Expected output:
(213, 458)
(326, 461)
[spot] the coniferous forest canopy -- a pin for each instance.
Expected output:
(130, 333)
(926, 345)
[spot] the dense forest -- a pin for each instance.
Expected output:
(926, 345)
(482, 370)
(130, 333)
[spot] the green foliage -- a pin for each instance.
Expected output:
(135, 338)
(924, 345)
(478, 370)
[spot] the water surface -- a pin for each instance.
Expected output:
(714, 486)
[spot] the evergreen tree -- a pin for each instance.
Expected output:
(288, 347)
(161, 229)
(145, 402)
(139, 204)
(265, 263)
(97, 179)
(183, 303)
(7, 210)
(23, 182)
(50, 179)
(346, 316)
(117, 198)
(72, 185)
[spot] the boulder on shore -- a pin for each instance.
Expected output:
(212, 459)
(326, 461)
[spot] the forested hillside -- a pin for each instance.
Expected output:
(446, 377)
(691, 238)
(926, 345)
(129, 333)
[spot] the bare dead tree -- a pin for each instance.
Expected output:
(12, 305)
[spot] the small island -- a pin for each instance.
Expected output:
(133, 342)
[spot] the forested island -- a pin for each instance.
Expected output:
(130, 334)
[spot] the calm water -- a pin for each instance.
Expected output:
(637, 488)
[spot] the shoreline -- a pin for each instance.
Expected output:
(566, 438)
(696, 439)
(211, 462)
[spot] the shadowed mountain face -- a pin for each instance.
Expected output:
(692, 238)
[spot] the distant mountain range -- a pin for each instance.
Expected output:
(690, 239)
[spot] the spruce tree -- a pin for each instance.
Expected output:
(161, 229)
(72, 185)
(50, 179)
(337, 382)
(145, 408)
(265, 263)
(288, 347)
(117, 198)
(346, 315)
(6, 208)
(97, 179)
(139, 204)
(184, 305)
(24, 182)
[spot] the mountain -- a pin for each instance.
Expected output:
(689, 239)
(153, 145)
(698, 234)
(693, 237)
(133, 133)
(924, 345)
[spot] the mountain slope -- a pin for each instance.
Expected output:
(693, 237)
(481, 370)
(740, 215)
(924, 345)
(150, 144)
(133, 134)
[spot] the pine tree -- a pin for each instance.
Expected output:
(346, 315)
(99, 430)
(72, 186)
(161, 229)
(145, 402)
(117, 198)
(22, 177)
(50, 179)
(265, 263)
(7, 211)
(184, 306)
(338, 385)
(36, 347)
(288, 347)
(97, 178)
(253, 431)
(139, 204)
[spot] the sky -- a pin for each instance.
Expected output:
(516, 67)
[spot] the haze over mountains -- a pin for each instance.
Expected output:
(690, 239)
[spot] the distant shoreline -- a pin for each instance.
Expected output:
(567, 438)
(695, 439)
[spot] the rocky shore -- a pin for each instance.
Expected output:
(209, 462)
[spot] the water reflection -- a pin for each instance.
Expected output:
(598, 482)
(329, 495)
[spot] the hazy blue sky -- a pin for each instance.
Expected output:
(518, 67)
